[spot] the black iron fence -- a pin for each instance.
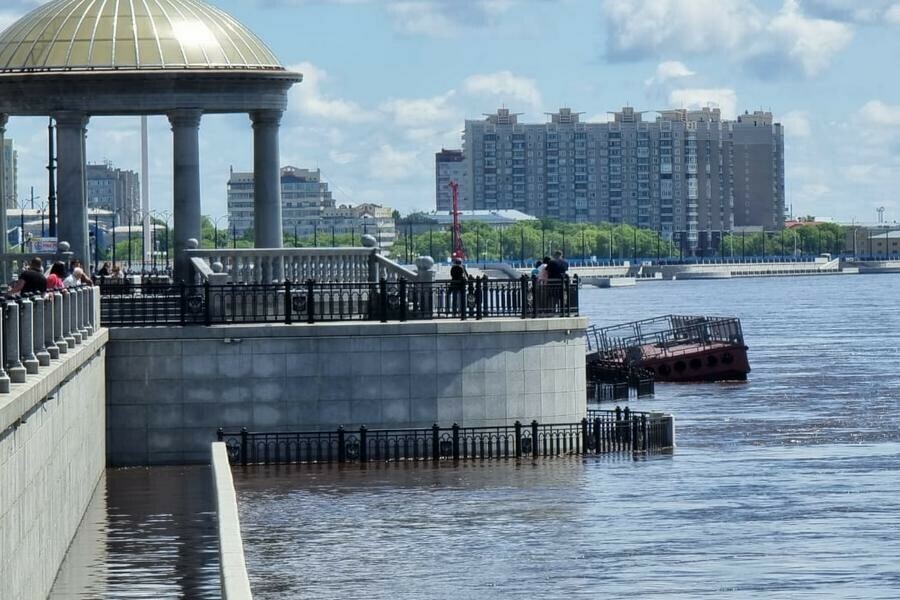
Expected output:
(604, 432)
(612, 381)
(312, 302)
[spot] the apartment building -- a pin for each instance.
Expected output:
(115, 190)
(676, 174)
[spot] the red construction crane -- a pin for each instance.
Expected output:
(458, 250)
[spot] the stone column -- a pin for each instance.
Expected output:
(267, 222)
(186, 158)
(73, 218)
(4, 271)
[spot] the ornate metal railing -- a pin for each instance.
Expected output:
(313, 302)
(603, 432)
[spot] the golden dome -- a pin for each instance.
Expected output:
(102, 35)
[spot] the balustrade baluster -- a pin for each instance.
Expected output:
(59, 317)
(40, 337)
(74, 319)
(82, 312)
(26, 336)
(67, 320)
(49, 338)
(14, 365)
(5, 383)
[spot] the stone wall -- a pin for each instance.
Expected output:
(52, 454)
(169, 389)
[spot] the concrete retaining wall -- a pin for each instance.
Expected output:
(169, 389)
(52, 454)
(233, 569)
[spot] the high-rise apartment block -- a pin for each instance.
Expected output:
(303, 196)
(686, 172)
(449, 165)
(10, 173)
(308, 208)
(115, 190)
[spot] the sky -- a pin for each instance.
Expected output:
(387, 83)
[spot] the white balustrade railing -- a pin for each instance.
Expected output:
(36, 330)
(274, 265)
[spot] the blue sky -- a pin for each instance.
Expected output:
(388, 83)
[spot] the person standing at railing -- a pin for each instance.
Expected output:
(458, 280)
(556, 269)
(76, 278)
(31, 280)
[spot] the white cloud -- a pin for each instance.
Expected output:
(445, 18)
(341, 158)
(814, 190)
(415, 112)
(796, 124)
(307, 97)
(724, 99)
(390, 164)
(892, 14)
(809, 43)
(669, 69)
(876, 112)
(769, 43)
(505, 85)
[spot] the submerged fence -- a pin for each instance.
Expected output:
(604, 432)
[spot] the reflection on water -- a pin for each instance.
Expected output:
(785, 487)
(148, 533)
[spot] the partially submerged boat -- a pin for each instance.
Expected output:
(676, 348)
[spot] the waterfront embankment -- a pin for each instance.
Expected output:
(232, 568)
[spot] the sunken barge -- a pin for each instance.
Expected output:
(674, 348)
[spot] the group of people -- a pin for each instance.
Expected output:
(34, 280)
(548, 268)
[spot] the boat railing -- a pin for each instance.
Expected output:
(686, 334)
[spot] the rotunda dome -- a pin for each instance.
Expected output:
(104, 35)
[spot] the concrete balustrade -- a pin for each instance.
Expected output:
(40, 337)
(36, 330)
(14, 365)
(268, 265)
(62, 345)
(4, 378)
(75, 319)
(67, 319)
(26, 336)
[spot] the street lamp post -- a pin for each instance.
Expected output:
(216, 230)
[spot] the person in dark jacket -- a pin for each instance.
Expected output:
(31, 280)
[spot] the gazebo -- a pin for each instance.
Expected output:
(77, 59)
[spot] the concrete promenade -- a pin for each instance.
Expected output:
(169, 389)
(232, 568)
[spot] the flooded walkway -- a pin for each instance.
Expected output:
(148, 533)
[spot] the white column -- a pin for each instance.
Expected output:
(73, 226)
(186, 156)
(267, 221)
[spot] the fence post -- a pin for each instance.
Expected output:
(310, 301)
(574, 304)
(288, 305)
(342, 445)
(645, 442)
(244, 443)
(534, 298)
(455, 441)
(565, 299)
(584, 435)
(382, 300)
(597, 436)
(626, 417)
(518, 430)
(49, 323)
(14, 365)
(363, 446)
(220, 434)
(534, 438)
(435, 442)
(207, 311)
(479, 297)
(464, 299)
(403, 303)
(523, 289)
(618, 426)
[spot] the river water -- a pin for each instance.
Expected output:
(787, 486)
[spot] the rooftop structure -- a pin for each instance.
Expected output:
(75, 60)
